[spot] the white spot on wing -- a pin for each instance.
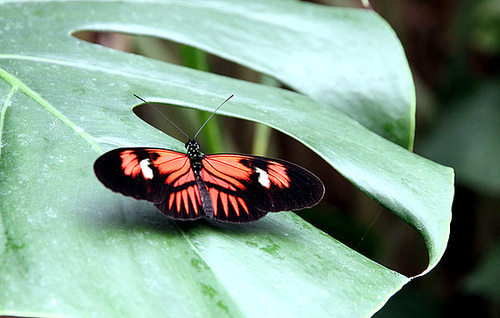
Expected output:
(147, 172)
(263, 177)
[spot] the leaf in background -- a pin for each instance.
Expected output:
(69, 247)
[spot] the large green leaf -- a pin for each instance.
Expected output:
(70, 247)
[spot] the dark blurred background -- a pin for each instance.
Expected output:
(453, 48)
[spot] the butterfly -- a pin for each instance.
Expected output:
(226, 187)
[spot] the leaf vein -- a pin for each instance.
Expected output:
(18, 85)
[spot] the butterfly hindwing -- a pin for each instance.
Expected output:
(244, 188)
(161, 176)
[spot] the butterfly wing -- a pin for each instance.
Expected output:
(161, 176)
(241, 188)
(244, 188)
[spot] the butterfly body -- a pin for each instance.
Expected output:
(225, 187)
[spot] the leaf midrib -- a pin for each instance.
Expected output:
(19, 85)
(3, 111)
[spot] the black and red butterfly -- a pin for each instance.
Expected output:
(225, 187)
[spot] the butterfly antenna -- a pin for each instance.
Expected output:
(213, 113)
(137, 96)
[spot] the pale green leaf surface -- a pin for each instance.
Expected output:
(70, 247)
(347, 58)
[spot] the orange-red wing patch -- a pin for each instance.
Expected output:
(224, 201)
(278, 175)
(178, 200)
(234, 205)
(130, 163)
(171, 200)
(194, 197)
(214, 195)
(227, 170)
(243, 204)
(207, 177)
